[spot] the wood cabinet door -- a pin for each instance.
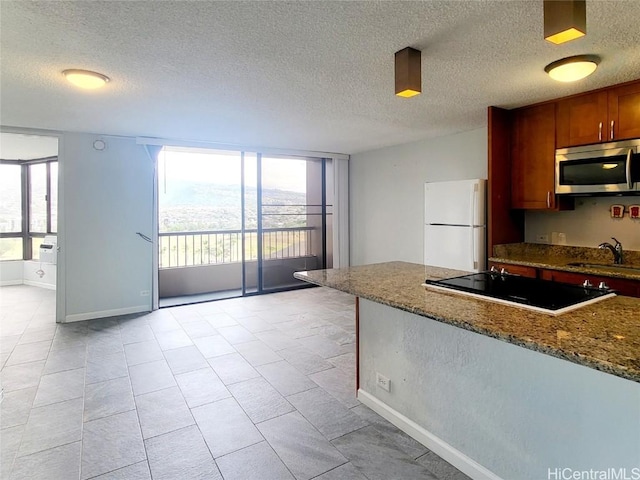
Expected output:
(522, 270)
(624, 112)
(568, 277)
(630, 288)
(582, 120)
(533, 158)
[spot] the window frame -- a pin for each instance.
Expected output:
(25, 193)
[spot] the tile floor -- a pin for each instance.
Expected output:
(251, 388)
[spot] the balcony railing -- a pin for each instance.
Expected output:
(184, 249)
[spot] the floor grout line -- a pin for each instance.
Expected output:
(287, 329)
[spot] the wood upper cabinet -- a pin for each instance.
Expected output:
(624, 111)
(533, 157)
(582, 120)
(603, 116)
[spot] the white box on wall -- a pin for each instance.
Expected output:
(49, 249)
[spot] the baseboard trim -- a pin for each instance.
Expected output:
(79, 317)
(40, 284)
(466, 465)
(7, 283)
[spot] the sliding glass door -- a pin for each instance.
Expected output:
(294, 219)
(251, 244)
(239, 223)
(200, 224)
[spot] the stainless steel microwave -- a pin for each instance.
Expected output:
(606, 168)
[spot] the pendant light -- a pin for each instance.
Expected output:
(574, 68)
(564, 20)
(85, 78)
(408, 72)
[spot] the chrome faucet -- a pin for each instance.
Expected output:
(618, 258)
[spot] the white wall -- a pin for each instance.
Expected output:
(39, 274)
(387, 189)
(28, 272)
(11, 272)
(588, 225)
(107, 197)
(514, 411)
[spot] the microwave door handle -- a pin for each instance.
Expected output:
(629, 179)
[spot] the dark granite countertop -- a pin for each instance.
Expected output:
(604, 336)
(559, 257)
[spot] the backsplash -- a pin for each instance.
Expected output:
(560, 254)
(587, 226)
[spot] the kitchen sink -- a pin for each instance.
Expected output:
(608, 267)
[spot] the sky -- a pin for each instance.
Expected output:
(224, 168)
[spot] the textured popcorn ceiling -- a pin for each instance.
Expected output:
(315, 75)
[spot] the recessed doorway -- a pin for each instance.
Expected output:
(29, 224)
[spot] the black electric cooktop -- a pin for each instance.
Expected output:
(532, 293)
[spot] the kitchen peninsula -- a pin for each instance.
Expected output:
(495, 390)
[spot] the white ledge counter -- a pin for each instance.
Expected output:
(497, 391)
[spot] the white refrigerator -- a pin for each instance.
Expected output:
(455, 224)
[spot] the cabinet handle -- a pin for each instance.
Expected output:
(612, 123)
(600, 131)
(548, 199)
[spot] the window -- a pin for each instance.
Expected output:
(10, 198)
(10, 212)
(28, 198)
(10, 248)
(53, 196)
(250, 219)
(38, 198)
(41, 212)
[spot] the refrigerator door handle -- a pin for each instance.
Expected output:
(472, 243)
(472, 217)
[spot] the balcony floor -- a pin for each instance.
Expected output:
(198, 298)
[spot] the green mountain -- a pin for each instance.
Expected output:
(195, 206)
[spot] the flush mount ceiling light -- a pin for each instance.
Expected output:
(408, 72)
(86, 79)
(571, 69)
(564, 20)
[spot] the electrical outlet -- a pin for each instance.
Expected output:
(542, 238)
(562, 238)
(558, 238)
(144, 293)
(383, 382)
